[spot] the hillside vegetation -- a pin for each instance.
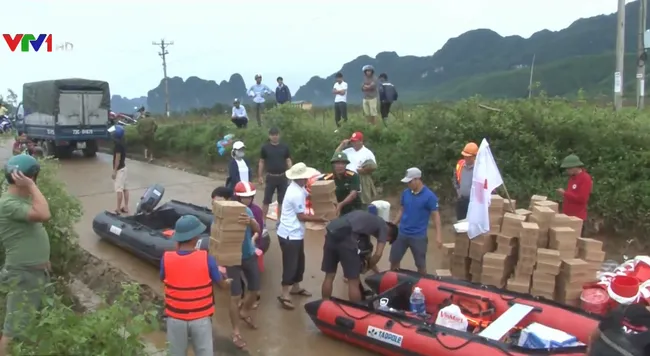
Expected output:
(528, 137)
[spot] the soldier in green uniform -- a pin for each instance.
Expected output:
(348, 186)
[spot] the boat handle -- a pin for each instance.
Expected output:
(344, 322)
(535, 309)
(459, 292)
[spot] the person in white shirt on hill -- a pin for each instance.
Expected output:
(340, 92)
(239, 116)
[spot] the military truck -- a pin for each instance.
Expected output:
(65, 115)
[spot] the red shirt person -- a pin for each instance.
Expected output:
(576, 195)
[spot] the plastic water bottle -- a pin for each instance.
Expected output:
(417, 302)
(383, 304)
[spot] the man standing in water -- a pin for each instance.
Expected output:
(119, 170)
(275, 159)
(257, 92)
(23, 210)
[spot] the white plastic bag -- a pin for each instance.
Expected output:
(451, 317)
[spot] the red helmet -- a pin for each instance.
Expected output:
(244, 189)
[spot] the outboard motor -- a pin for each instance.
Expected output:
(150, 199)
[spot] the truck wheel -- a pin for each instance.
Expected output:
(91, 149)
(63, 151)
(48, 148)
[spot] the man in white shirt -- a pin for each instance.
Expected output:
(239, 116)
(340, 92)
(363, 162)
(291, 233)
(258, 91)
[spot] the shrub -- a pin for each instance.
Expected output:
(528, 138)
(59, 328)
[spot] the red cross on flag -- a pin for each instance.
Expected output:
(486, 178)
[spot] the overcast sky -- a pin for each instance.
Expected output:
(214, 39)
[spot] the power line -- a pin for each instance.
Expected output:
(163, 54)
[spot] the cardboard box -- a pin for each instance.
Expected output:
(548, 204)
(559, 233)
(322, 188)
(496, 201)
(543, 214)
(494, 260)
(590, 244)
(529, 234)
(591, 255)
(491, 280)
(550, 295)
(448, 249)
(519, 286)
(476, 267)
(511, 224)
(443, 272)
(227, 209)
(481, 245)
(509, 206)
(525, 269)
(547, 255)
(475, 278)
(572, 266)
(534, 199)
(548, 267)
(461, 245)
(523, 212)
(460, 267)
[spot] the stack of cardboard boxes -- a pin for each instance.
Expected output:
(546, 270)
(323, 199)
(535, 250)
(226, 233)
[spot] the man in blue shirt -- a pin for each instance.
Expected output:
(257, 92)
(418, 203)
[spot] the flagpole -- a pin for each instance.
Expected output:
(512, 207)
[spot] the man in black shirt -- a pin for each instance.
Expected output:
(119, 170)
(275, 158)
(625, 331)
(347, 241)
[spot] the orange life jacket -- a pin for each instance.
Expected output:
(459, 169)
(188, 286)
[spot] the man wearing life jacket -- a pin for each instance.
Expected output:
(462, 179)
(576, 196)
(188, 275)
(623, 332)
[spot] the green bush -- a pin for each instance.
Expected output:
(60, 328)
(527, 137)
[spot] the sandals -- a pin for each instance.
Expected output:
(238, 341)
(286, 303)
(124, 211)
(302, 292)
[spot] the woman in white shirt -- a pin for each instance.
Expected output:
(239, 170)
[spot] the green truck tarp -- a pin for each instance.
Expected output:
(43, 97)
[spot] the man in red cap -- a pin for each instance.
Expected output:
(363, 162)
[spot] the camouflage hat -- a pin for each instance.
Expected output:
(340, 157)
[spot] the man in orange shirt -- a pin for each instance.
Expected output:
(188, 275)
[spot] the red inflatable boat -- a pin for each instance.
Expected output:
(495, 317)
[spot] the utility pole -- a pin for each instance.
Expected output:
(620, 56)
(530, 80)
(640, 74)
(163, 54)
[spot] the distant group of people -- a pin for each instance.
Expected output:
(378, 97)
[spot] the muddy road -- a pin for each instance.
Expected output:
(280, 332)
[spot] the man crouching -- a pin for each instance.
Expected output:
(343, 239)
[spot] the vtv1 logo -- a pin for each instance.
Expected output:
(35, 42)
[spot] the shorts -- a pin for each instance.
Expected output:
(26, 291)
(346, 254)
(417, 245)
(370, 107)
(249, 270)
(182, 333)
(147, 141)
(275, 183)
(120, 180)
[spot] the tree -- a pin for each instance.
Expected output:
(12, 98)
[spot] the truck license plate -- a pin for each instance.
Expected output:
(81, 145)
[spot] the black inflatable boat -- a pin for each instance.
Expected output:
(147, 233)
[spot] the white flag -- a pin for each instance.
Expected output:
(486, 179)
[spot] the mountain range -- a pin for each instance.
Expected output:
(480, 61)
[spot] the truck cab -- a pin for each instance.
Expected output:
(65, 115)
